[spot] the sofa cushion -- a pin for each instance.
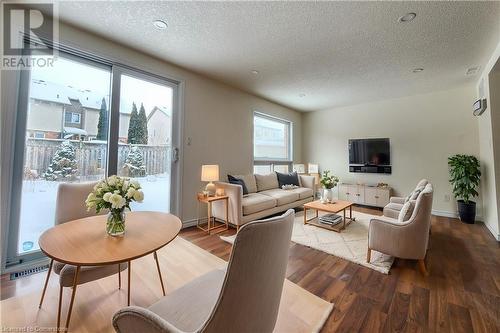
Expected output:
(249, 182)
(406, 211)
(392, 210)
(266, 182)
(256, 202)
(282, 197)
(238, 181)
(288, 179)
(303, 192)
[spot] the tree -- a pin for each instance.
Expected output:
(143, 121)
(102, 125)
(134, 163)
(133, 126)
(63, 165)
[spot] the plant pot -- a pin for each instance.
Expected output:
(467, 211)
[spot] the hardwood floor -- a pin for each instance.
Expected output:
(461, 294)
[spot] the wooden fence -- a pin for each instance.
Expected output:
(91, 157)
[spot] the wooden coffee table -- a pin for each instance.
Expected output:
(335, 207)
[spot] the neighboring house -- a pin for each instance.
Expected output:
(159, 126)
(58, 111)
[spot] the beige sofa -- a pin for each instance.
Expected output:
(264, 198)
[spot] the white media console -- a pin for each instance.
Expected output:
(365, 195)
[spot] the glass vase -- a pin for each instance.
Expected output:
(115, 225)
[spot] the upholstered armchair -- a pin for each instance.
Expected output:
(70, 205)
(395, 204)
(404, 239)
(244, 298)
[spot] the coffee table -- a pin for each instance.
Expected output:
(337, 206)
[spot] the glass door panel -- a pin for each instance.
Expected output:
(145, 138)
(65, 138)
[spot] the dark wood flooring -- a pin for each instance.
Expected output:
(461, 294)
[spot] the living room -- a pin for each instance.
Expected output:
(178, 95)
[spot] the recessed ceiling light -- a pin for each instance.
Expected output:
(407, 17)
(302, 95)
(254, 72)
(160, 24)
(417, 70)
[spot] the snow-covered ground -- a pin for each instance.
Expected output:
(39, 203)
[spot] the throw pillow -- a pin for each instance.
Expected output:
(406, 211)
(237, 181)
(266, 182)
(288, 179)
(249, 181)
(415, 193)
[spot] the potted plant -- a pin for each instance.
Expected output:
(328, 182)
(465, 174)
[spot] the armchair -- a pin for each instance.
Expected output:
(406, 239)
(395, 204)
(244, 298)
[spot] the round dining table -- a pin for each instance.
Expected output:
(84, 242)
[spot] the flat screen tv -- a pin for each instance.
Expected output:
(370, 152)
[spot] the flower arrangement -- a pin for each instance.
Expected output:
(329, 181)
(114, 194)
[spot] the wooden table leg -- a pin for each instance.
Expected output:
(343, 222)
(305, 215)
(46, 282)
(227, 213)
(209, 215)
(119, 277)
(75, 284)
(59, 307)
(159, 272)
(128, 288)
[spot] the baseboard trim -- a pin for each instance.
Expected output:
(444, 213)
(497, 236)
(189, 223)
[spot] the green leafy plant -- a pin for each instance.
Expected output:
(465, 174)
(328, 181)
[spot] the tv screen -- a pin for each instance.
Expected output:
(369, 152)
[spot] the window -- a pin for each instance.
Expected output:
(72, 117)
(272, 144)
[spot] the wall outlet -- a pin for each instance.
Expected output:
(447, 198)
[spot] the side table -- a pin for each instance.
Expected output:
(210, 219)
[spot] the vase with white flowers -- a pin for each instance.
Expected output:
(114, 194)
(328, 182)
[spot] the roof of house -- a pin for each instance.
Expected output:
(161, 109)
(57, 93)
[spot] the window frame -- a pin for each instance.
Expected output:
(272, 162)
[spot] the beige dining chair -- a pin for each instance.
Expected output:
(70, 205)
(243, 298)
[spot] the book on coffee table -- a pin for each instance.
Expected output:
(330, 219)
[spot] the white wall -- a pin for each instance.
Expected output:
(217, 118)
(489, 140)
(424, 130)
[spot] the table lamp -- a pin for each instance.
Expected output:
(210, 173)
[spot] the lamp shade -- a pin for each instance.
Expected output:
(209, 173)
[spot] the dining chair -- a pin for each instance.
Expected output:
(70, 205)
(243, 298)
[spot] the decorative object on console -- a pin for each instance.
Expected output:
(219, 192)
(114, 194)
(313, 168)
(210, 174)
(299, 168)
(465, 174)
(328, 182)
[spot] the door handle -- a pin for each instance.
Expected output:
(175, 154)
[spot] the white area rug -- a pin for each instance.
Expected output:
(351, 244)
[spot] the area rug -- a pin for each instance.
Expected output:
(351, 244)
(96, 302)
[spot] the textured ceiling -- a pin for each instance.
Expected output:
(336, 53)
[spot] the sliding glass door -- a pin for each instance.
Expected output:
(82, 120)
